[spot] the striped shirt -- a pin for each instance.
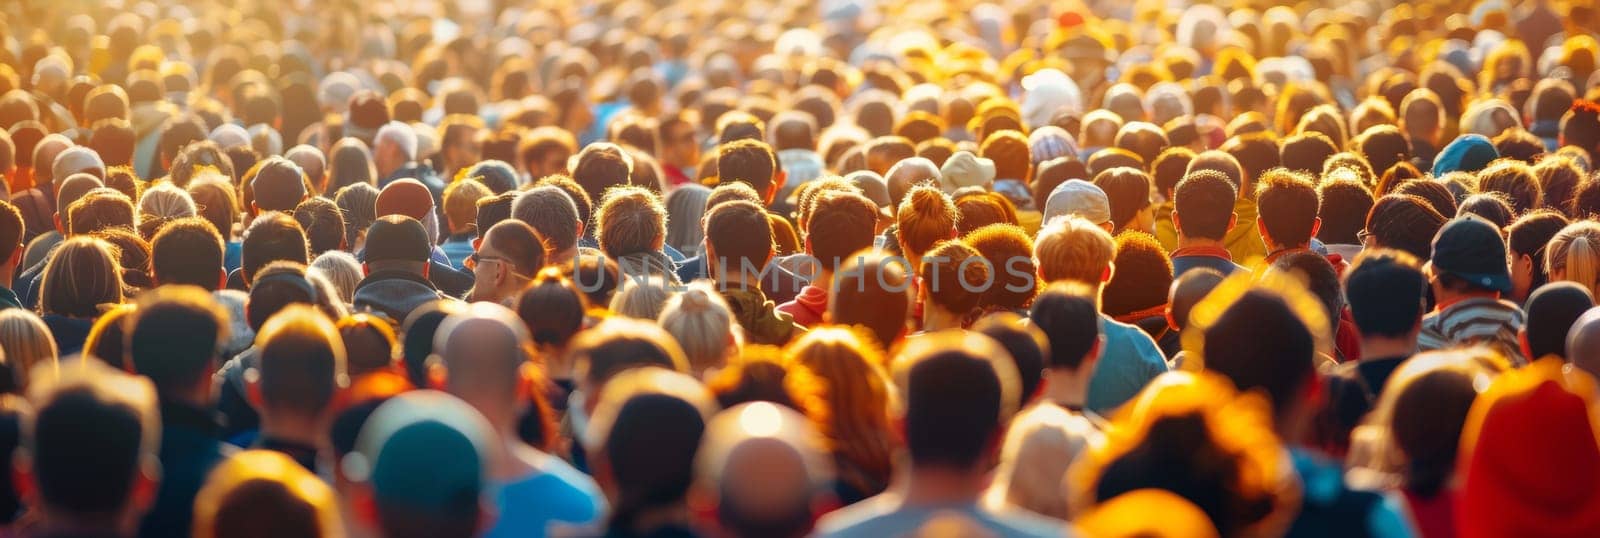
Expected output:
(1474, 320)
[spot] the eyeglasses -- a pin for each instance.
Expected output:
(475, 258)
(1363, 236)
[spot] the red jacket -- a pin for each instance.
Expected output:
(807, 308)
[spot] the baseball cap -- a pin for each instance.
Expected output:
(423, 450)
(1471, 248)
(963, 169)
(1084, 199)
(407, 197)
(396, 238)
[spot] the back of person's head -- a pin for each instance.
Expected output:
(200, 156)
(1203, 204)
(369, 344)
(1387, 293)
(1144, 272)
(423, 457)
(1288, 207)
(323, 224)
(1559, 177)
(271, 237)
(640, 298)
(160, 204)
(81, 277)
(1280, 367)
(1383, 146)
(214, 200)
(840, 224)
(601, 166)
(644, 434)
(1343, 206)
(358, 204)
(870, 290)
(551, 212)
(263, 493)
(349, 162)
(1519, 145)
(703, 325)
(1422, 115)
(630, 220)
(1515, 180)
(1168, 169)
(27, 343)
(1306, 152)
(1010, 251)
(786, 451)
(955, 277)
(1069, 315)
(926, 217)
(301, 362)
(279, 185)
(491, 210)
(1552, 311)
(959, 390)
(1010, 153)
(189, 252)
(174, 336)
(1319, 277)
(1128, 191)
(100, 209)
(91, 443)
(519, 244)
(553, 309)
(1039, 446)
(738, 237)
(617, 344)
(281, 284)
(1574, 255)
(1187, 291)
(11, 231)
(1071, 248)
(113, 139)
(748, 161)
(1404, 222)
(1256, 153)
(461, 204)
(483, 349)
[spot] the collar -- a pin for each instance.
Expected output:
(1210, 251)
(394, 274)
(1476, 297)
(1132, 317)
(1274, 255)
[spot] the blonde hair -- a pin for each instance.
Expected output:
(703, 325)
(1041, 443)
(341, 270)
(27, 343)
(254, 485)
(81, 276)
(925, 217)
(461, 203)
(1575, 252)
(837, 377)
(641, 299)
(165, 201)
(1071, 248)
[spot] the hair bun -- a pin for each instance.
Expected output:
(695, 300)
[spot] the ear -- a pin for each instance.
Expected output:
(477, 243)
(581, 229)
(16, 256)
(1316, 226)
(1522, 342)
(59, 228)
(1261, 227)
(1105, 276)
(778, 179)
(1167, 314)
(365, 270)
(252, 389)
(437, 375)
(426, 266)
(145, 484)
(222, 278)
(1233, 219)
(363, 505)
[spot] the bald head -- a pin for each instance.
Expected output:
(1188, 290)
(1583, 342)
(908, 173)
(44, 156)
(762, 463)
(483, 350)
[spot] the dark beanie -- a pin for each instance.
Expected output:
(397, 238)
(279, 185)
(1141, 278)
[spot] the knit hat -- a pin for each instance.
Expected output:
(396, 238)
(407, 197)
(279, 185)
(1050, 142)
(423, 451)
(1471, 248)
(1078, 197)
(1467, 153)
(1529, 456)
(963, 169)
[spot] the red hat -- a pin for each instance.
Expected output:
(407, 197)
(1530, 458)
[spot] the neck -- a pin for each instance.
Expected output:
(943, 485)
(565, 256)
(1187, 242)
(556, 365)
(936, 318)
(67, 523)
(1445, 296)
(1384, 346)
(1065, 387)
(293, 428)
(657, 517)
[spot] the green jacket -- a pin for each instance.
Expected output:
(762, 322)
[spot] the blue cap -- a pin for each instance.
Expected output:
(1467, 153)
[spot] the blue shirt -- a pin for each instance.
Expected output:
(232, 255)
(456, 249)
(1128, 362)
(1182, 264)
(554, 497)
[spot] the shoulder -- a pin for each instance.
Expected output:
(864, 518)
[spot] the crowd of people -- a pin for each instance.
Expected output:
(767, 268)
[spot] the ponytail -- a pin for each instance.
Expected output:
(1583, 266)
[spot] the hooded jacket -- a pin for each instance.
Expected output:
(762, 322)
(808, 307)
(394, 293)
